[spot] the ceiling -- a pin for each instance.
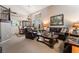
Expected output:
(26, 9)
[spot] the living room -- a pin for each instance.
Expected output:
(40, 29)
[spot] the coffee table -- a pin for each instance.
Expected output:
(48, 40)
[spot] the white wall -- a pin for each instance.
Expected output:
(5, 31)
(71, 13)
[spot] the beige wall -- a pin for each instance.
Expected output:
(71, 13)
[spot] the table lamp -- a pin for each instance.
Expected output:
(75, 26)
(45, 25)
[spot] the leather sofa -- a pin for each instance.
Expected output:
(30, 34)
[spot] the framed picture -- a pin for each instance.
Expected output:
(57, 20)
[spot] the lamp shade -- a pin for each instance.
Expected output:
(76, 25)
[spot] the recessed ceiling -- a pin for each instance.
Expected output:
(26, 9)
